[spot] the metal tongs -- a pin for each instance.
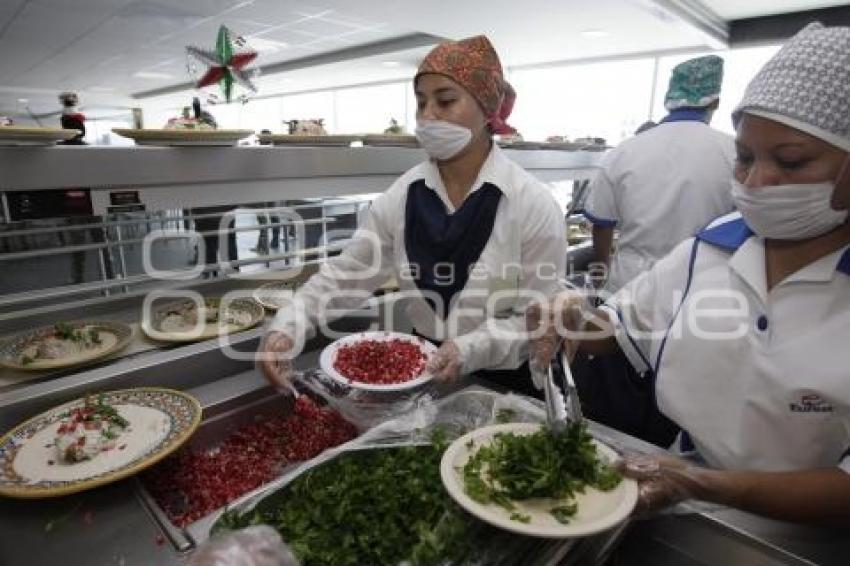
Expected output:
(562, 403)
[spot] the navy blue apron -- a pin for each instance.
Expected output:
(435, 239)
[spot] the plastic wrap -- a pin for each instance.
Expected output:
(409, 417)
(259, 545)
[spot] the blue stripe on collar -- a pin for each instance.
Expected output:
(844, 267)
(729, 236)
(686, 115)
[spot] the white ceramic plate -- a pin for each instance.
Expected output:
(160, 421)
(328, 357)
(184, 137)
(15, 135)
(115, 336)
(153, 329)
(597, 510)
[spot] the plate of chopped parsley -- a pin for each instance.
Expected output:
(526, 479)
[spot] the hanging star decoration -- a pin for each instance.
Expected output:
(226, 65)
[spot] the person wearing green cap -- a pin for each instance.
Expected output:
(663, 185)
(657, 189)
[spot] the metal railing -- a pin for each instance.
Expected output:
(112, 246)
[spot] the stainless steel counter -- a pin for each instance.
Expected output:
(110, 525)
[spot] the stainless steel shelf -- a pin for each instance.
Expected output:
(142, 167)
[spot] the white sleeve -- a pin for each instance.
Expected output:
(502, 343)
(642, 311)
(344, 281)
(601, 205)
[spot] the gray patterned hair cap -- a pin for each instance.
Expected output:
(806, 85)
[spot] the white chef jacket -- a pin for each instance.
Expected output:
(528, 232)
(774, 393)
(659, 188)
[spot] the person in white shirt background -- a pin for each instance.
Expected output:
(657, 189)
(746, 324)
(467, 207)
(666, 183)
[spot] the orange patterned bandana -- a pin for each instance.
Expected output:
(474, 64)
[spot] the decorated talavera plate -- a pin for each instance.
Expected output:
(183, 137)
(165, 325)
(327, 360)
(160, 421)
(22, 352)
(15, 135)
(275, 294)
(597, 510)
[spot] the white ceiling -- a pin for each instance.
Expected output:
(738, 9)
(100, 47)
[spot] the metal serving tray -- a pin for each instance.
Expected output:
(221, 420)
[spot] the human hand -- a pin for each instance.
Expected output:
(274, 359)
(446, 363)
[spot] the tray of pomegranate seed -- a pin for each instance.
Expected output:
(240, 451)
(378, 361)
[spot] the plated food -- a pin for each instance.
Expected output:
(64, 344)
(84, 432)
(275, 294)
(187, 321)
(184, 136)
(18, 135)
(378, 361)
(529, 480)
(129, 430)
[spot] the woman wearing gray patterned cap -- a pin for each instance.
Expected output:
(746, 324)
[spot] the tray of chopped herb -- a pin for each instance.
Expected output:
(526, 479)
(382, 506)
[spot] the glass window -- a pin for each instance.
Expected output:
(608, 100)
(369, 109)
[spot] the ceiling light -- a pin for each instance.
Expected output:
(390, 63)
(23, 100)
(594, 33)
(151, 75)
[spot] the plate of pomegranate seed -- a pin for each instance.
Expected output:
(378, 361)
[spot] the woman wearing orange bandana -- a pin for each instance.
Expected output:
(469, 235)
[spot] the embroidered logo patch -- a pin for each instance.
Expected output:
(811, 403)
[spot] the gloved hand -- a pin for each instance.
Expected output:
(274, 358)
(664, 481)
(549, 323)
(259, 545)
(446, 363)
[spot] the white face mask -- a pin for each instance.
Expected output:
(442, 140)
(788, 212)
